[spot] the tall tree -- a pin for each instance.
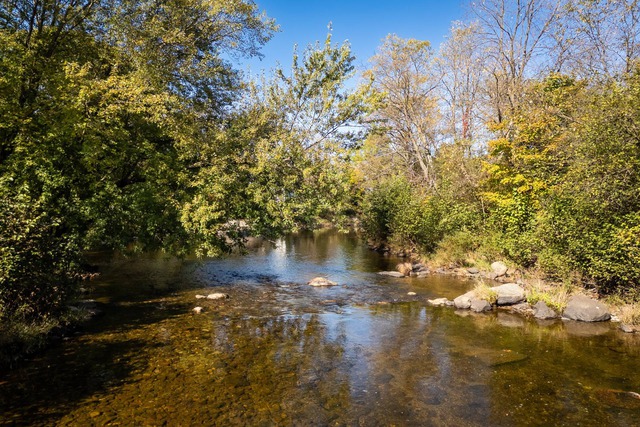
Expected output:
(403, 72)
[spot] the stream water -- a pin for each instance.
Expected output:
(279, 352)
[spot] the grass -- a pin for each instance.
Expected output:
(484, 292)
(553, 296)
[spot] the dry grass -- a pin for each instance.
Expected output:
(484, 292)
(555, 296)
(627, 313)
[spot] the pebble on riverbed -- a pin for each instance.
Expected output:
(217, 295)
(321, 281)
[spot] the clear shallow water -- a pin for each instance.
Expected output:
(279, 352)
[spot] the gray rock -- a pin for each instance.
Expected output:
(217, 295)
(321, 282)
(422, 274)
(473, 270)
(464, 301)
(542, 311)
(499, 268)
(509, 293)
(392, 274)
(585, 309)
(438, 301)
(479, 305)
(629, 329)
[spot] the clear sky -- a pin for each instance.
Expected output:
(363, 22)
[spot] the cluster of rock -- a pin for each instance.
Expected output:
(408, 269)
(579, 307)
(214, 296)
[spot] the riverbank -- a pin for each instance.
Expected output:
(553, 294)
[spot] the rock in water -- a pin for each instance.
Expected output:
(509, 293)
(217, 295)
(479, 305)
(405, 268)
(411, 293)
(542, 311)
(201, 296)
(197, 310)
(438, 301)
(464, 301)
(321, 281)
(585, 309)
(391, 273)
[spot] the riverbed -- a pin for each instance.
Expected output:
(279, 352)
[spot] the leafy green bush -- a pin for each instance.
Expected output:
(38, 262)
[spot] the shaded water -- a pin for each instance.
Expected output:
(279, 352)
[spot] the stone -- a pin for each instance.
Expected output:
(629, 329)
(438, 302)
(423, 274)
(321, 281)
(217, 295)
(585, 309)
(542, 311)
(509, 293)
(201, 296)
(473, 270)
(405, 268)
(391, 274)
(479, 305)
(411, 293)
(499, 268)
(464, 301)
(197, 310)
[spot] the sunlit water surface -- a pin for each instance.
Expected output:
(279, 352)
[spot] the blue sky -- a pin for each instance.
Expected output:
(363, 23)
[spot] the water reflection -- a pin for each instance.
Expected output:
(281, 353)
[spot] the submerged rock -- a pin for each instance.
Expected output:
(217, 295)
(542, 311)
(391, 274)
(320, 282)
(509, 293)
(585, 309)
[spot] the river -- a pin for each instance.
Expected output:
(279, 352)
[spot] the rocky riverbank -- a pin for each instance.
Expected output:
(515, 294)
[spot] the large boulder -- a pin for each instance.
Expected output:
(320, 282)
(509, 294)
(542, 311)
(499, 268)
(464, 301)
(585, 309)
